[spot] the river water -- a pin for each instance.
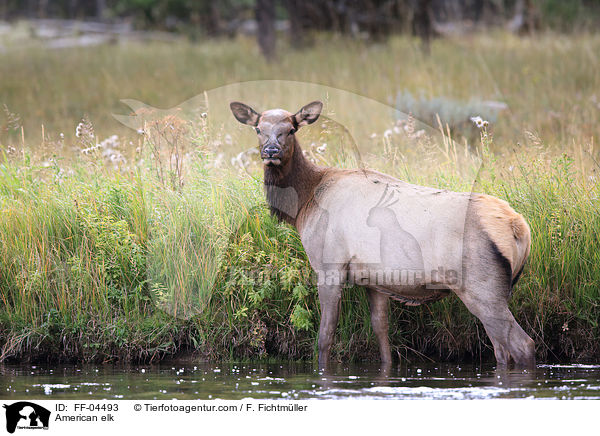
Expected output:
(233, 381)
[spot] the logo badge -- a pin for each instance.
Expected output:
(26, 415)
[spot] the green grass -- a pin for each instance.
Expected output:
(144, 262)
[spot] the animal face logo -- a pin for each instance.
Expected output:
(27, 415)
(381, 214)
(397, 246)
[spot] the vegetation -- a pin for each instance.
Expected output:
(376, 16)
(127, 256)
(373, 20)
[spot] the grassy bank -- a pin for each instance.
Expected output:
(137, 258)
(103, 265)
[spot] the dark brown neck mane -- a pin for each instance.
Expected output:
(290, 187)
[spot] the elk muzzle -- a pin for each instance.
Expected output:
(271, 154)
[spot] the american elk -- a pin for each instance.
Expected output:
(401, 241)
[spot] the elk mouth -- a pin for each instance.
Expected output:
(271, 161)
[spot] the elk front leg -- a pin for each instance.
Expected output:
(379, 304)
(330, 297)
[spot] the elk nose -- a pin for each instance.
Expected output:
(271, 150)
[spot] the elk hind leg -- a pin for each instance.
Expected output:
(509, 339)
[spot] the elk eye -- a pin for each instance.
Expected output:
(257, 130)
(292, 131)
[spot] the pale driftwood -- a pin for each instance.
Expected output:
(59, 34)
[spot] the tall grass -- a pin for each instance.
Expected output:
(104, 265)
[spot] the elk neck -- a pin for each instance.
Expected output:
(290, 187)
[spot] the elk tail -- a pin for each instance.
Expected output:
(522, 235)
(508, 231)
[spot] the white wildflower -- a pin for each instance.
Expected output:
(218, 162)
(141, 131)
(387, 134)
(59, 176)
(322, 148)
(373, 135)
(84, 129)
(241, 160)
(479, 122)
(109, 143)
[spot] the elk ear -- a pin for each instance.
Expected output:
(244, 113)
(308, 114)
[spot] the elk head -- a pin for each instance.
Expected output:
(276, 129)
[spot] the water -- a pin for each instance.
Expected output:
(296, 381)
